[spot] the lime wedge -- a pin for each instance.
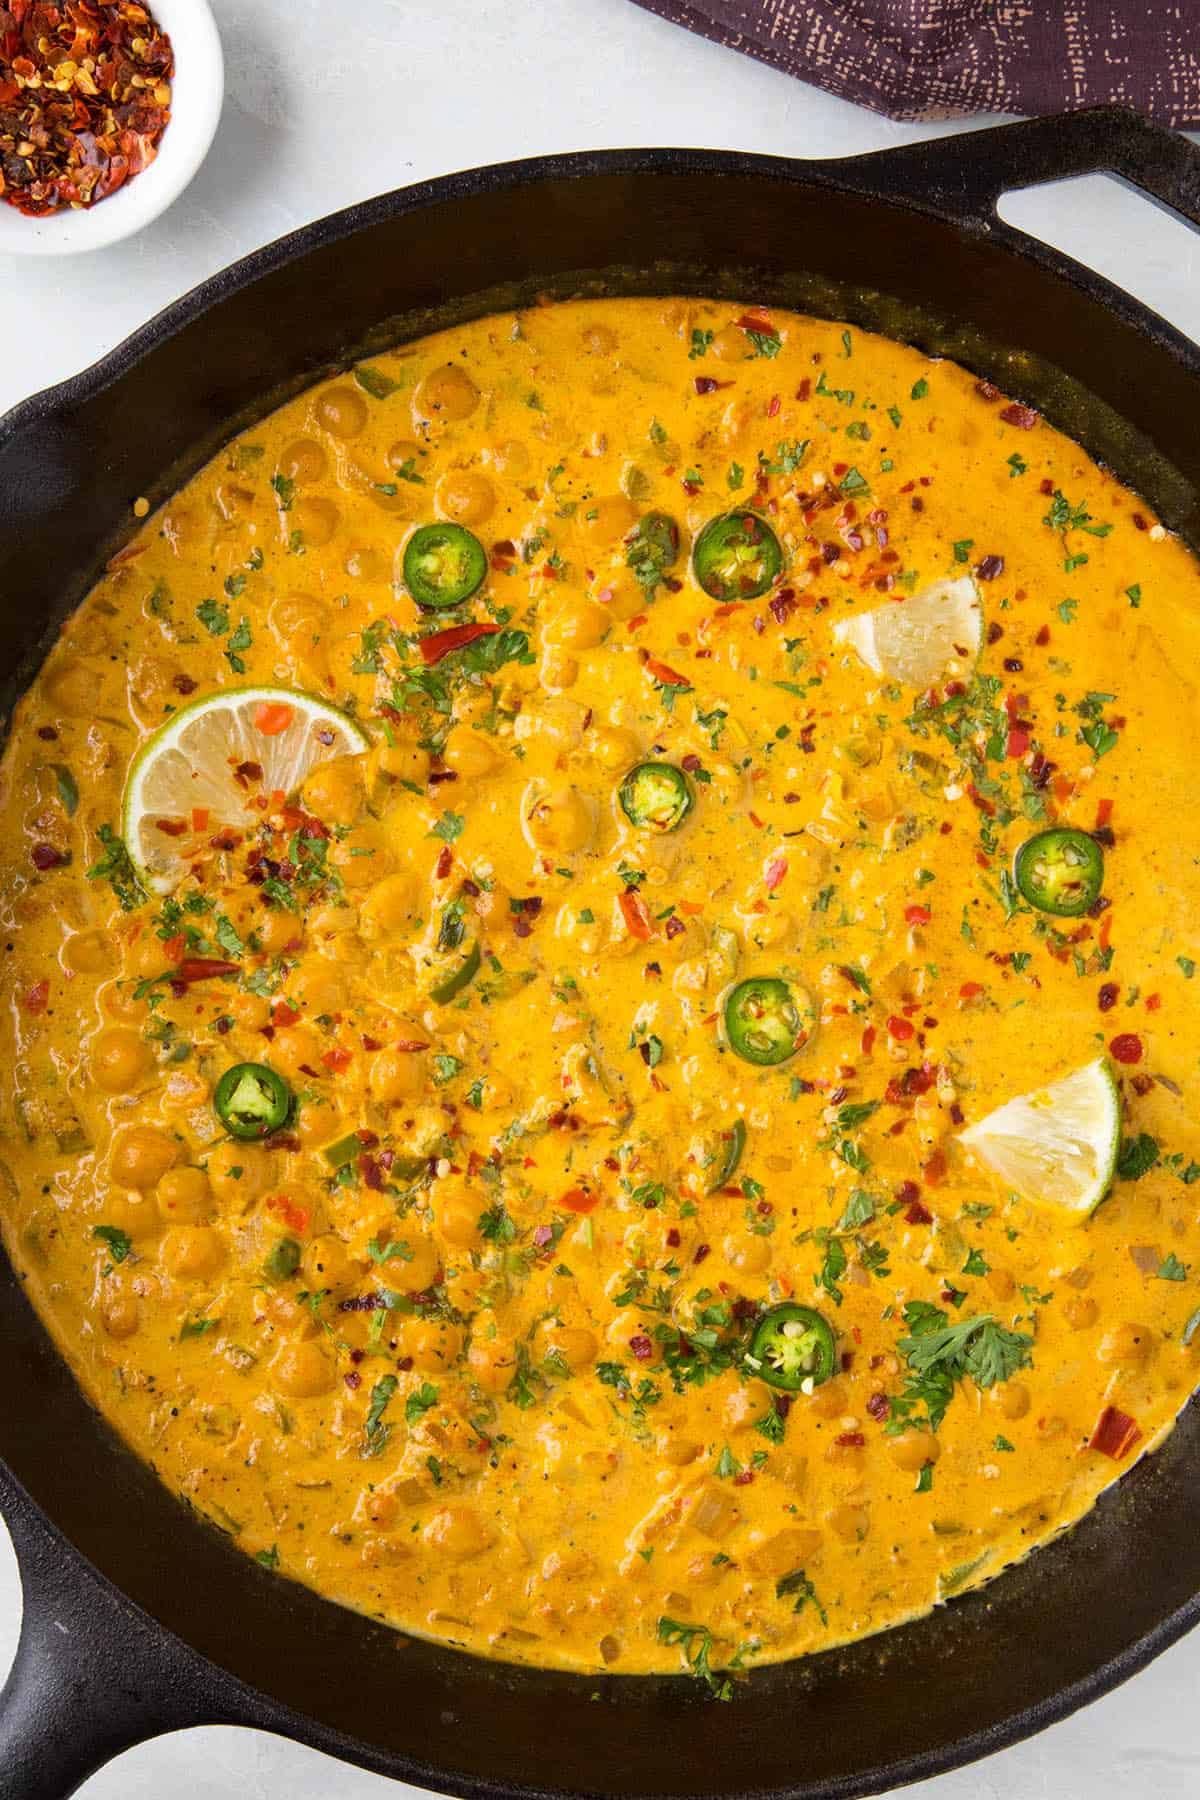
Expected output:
(183, 786)
(934, 636)
(1057, 1145)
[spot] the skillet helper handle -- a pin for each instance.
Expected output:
(92, 1676)
(969, 172)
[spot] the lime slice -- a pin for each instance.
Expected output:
(935, 636)
(183, 786)
(1057, 1145)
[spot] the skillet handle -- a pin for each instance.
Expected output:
(969, 172)
(92, 1675)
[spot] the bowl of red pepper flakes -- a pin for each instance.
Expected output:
(107, 109)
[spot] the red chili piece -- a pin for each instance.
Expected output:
(441, 643)
(1115, 1433)
(1127, 1047)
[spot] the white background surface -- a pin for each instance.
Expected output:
(330, 102)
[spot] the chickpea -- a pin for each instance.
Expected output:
(1127, 1344)
(579, 624)
(789, 1549)
(678, 1451)
(191, 1252)
(136, 1214)
(184, 1196)
(623, 594)
(316, 519)
(278, 930)
(365, 564)
(319, 989)
(560, 819)
(730, 344)
(302, 1370)
(557, 670)
(492, 1362)
(120, 1060)
(401, 761)
(829, 1400)
(376, 1506)
(911, 1450)
(118, 1311)
(72, 689)
(432, 1343)
(510, 456)
(1080, 1312)
(362, 857)
(627, 1325)
(302, 460)
(295, 1049)
(471, 754)
(574, 1343)
(326, 1263)
(750, 1255)
(341, 412)
(389, 907)
(614, 748)
(240, 1174)
(1010, 1398)
(334, 790)
(416, 1272)
(145, 956)
(465, 497)
(252, 1011)
(141, 1156)
(850, 1523)
(397, 1076)
(457, 1531)
(457, 1212)
(89, 952)
(445, 393)
(613, 516)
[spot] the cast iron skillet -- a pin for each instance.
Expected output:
(138, 1617)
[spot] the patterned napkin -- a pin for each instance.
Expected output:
(938, 59)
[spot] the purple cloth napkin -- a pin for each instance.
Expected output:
(938, 59)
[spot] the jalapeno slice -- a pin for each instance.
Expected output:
(792, 1348)
(656, 796)
(737, 557)
(728, 1156)
(762, 1021)
(652, 548)
(1060, 871)
(460, 977)
(443, 565)
(252, 1101)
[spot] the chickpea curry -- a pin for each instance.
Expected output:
(599, 928)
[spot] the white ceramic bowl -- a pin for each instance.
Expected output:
(197, 92)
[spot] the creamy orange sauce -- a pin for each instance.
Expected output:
(483, 1375)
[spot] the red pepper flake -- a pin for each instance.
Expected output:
(706, 384)
(642, 1348)
(45, 856)
(743, 1478)
(879, 1406)
(664, 674)
(917, 915)
(989, 568)
(34, 999)
(444, 863)
(935, 1168)
(918, 1214)
(1127, 1047)
(1106, 999)
(1115, 1433)
(579, 1200)
(85, 96)
(900, 1029)
(850, 1440)
(1018, 742)
(352, 1379)
(1153, 1002)
(970, 990)
(337, 1060)
(986, 391)
(1024, 417)
(637, 919)
(868, 1040)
